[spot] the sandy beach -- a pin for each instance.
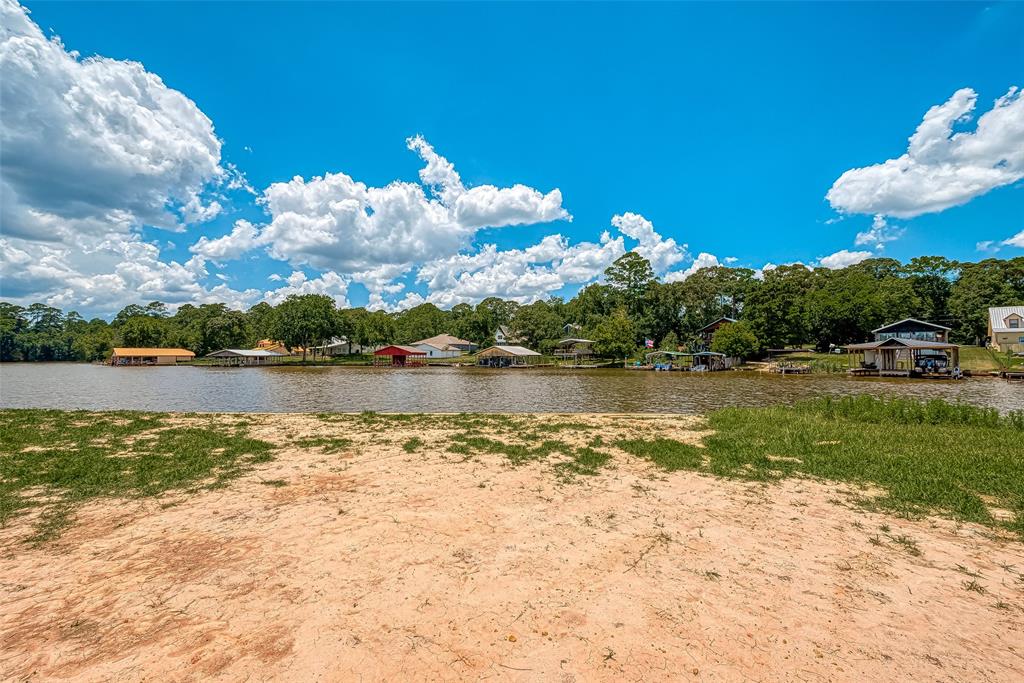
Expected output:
(358, 557)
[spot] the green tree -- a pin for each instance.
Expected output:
(735, 340)
(992, 282)
(143, 331)
(630, 275)
(615, 336)
(670, 342)
(776, 308)
(304, 320)
(420, 322)
(538, 323)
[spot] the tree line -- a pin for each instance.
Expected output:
(785, 306)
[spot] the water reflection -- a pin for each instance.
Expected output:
(284, 389)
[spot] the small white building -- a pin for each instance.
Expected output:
(444, 346)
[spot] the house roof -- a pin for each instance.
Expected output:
(574, 340)
(997, 317)
(247, 353)
(442, 341)
(399, 350)
(911, 320)
(720, 320)
(896, 341)
(142, 351)
(505, 350)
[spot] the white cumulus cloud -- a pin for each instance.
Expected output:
(941, 168)
(843, 258)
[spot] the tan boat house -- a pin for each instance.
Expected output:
(149, 356)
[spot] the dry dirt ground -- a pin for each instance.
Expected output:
(373, 563)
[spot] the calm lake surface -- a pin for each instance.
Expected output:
(354, 389)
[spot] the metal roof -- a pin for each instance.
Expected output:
(508, 351)
(248, 353)
(405, 350)
(896, 341)
(720, 320)
(142, 351)
(912, 320)
(997, 317)
(440, 341)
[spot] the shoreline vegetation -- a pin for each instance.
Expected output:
(952, 460)
(849, 539)
(628, 314)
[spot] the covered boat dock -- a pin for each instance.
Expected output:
(504, 356)
(897, 357)
(245, 357)
(399, 356)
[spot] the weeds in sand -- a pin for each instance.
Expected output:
(948, 459)
(884, 528)
(276, 483)
(908, 544)
(964, 570)
(974, 586)
(999, 604)
(412, 445)
(875, 540)
(55, 460)
(327, 444)
(711, 575)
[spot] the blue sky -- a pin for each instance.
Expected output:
(724, 126)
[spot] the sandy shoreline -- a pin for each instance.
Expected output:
(376, 563)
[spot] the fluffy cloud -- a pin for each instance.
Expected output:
(879, 234)
(93, 149)
(941, 169)
(843, 258)
(1015, 241)
(703, 260)
(329, 283)
(523, 275)
(94, 144)
(662, 253)
(241, 239)
(336, 222)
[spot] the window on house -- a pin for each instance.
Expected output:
(1014, 323)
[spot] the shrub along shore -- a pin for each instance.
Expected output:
(909, 458)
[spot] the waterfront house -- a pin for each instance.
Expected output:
(707, 333)
(240, 357)
(574, 349)
(506, 356)
(343, 346)
(444, 346)
(504, 336)
(149, 356)
(1006, 328)
(397, 355)
(911, 328)
(899, 357)
(278, 348)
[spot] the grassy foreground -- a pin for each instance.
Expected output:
(910, 458)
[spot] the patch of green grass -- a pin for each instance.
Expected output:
(929, 457)
(979, 359)
(328, 444)
(668, 454)
(412, 445)
(583, 462)
(55, 460)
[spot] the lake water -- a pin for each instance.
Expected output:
(354, 389)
